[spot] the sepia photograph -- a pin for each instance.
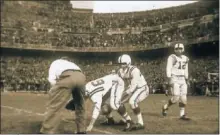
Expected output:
(109, 67)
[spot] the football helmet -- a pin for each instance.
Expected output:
(124, 59)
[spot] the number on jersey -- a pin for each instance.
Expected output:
(97, 82)
(182, 65)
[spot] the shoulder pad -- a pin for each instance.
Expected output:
(173, 56)
(119, 72)
(131, 69)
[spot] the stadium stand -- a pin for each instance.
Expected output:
(46, 24)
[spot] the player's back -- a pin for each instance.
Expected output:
(101, 85)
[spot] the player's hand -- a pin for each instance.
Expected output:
(187, 82)
(89, 128)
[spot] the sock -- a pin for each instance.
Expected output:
(126, 116)
(182, 111)
(166, 106)
(140, 119)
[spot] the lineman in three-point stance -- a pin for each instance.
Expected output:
(97, 91)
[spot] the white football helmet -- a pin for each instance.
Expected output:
(124, 59)
(179, 48)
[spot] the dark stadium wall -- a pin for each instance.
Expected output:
(196, 50)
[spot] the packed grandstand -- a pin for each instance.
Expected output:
(34, 33)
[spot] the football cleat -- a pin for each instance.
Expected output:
(109, 121)
(184, 117)
(164, 111)
(137, 126)
(121, 122)
(81, 133)
(129, 125)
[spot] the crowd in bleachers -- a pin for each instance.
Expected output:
(29, 73)
(154, 17)
(54, 24)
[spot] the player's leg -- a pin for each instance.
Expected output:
(183, 101)
(107, 112)
(79, 95)
(106, 109)
(58, 96)
(138, 96)
(175, 90)
(115, 103)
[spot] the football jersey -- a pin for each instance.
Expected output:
(103, 85)
(177, 66)
(134, 76)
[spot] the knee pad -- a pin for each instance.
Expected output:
(183, 99)
(175, 99)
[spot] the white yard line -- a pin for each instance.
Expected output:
(42, 114)
(22, 110)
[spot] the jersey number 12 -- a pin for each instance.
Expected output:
(182, 65)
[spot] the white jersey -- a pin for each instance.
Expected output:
(96, 89)
(57, 67)
(103, 85)
(135, 77)
(177, 66)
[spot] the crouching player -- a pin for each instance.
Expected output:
(137, 91)
(98, 88)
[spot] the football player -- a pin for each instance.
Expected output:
(177, 75)
(97, 89)
(137, 91)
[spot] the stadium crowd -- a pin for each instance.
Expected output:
(55, 24)
(59, 27)
(17, 74)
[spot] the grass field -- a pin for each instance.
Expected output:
(22, 113)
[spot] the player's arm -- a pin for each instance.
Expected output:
(186, 72)
(95, 113)
(135, 78)
(169, 67)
